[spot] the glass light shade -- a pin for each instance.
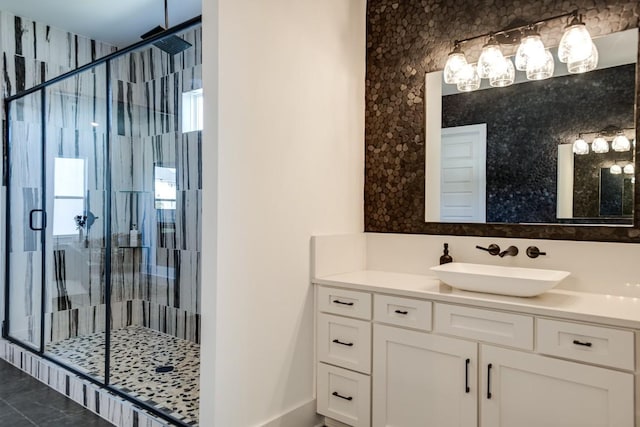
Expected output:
(575, 44)
(620, 143)
(629, 169)
(584, 65)
(455, 62)
(615, 170)
(491, 56)
(468, 79)
(580, 147)
(503, 74)
(540, 68)
(600, 145)
(530, 47)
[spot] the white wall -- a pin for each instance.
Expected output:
(290, 164)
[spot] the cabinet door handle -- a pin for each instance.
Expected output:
(489, 366)
(337, 301)
(466, 375)
(336, 394)
(585, 344)
(404, 313)
(348, 344)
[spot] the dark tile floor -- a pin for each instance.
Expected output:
(26, 402)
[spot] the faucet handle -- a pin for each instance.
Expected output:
(493, 249)
(534, 252)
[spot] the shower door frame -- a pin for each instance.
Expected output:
(6, 180)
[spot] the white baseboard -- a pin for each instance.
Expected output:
(302, 416)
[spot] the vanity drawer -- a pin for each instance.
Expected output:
(344, 342)
(411, 313)
(586, 343)
(345, 302)
(496, 327)
(344, 395)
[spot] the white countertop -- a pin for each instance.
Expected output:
(606, 309)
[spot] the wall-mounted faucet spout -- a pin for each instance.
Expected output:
(511, 251)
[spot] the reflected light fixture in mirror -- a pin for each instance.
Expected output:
(576, 49)
(629, 169)
(600, 145)
(615, 169)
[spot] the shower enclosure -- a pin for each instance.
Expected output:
(103, 176)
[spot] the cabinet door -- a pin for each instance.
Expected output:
(527, 390)
(422, 380)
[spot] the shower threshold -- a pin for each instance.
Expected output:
(136, 354)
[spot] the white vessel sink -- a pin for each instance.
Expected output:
(495, 279)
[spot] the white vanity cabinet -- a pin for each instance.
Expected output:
(529, 390)
(434, 363)
(423, 379)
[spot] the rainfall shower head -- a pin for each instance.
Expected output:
(170, 44)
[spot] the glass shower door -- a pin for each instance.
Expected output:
(26, 214)
(76, 178)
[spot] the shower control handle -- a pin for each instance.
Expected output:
(31, 221)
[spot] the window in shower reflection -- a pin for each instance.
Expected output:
(69, 196)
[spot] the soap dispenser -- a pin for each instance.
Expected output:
(445, 258)
(133, 235)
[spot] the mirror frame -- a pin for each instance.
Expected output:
(623, 234)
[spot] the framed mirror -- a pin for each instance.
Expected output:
(505, 155)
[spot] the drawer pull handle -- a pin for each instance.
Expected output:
(585, 344)
(336, 394)
(404, 313)
(466, 376)
(337, 301)
(348, 344)
(489, 366)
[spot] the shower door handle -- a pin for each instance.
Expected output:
(43, 224)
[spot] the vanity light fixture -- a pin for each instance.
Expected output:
(455, 62)
(576, 49)
(540, 68)
(600, 145)
(615, 169)
(502, 74)
(629, 169)
(620, 143)
(531, 48)
(468, 78)
(490, 58)
(575, 44)
(580, 147)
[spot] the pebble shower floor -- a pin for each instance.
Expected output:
(136, 352)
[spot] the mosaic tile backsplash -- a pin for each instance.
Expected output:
(406, 40)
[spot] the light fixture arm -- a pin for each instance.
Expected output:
(573, 13)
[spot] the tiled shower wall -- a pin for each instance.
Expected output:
(156, 284)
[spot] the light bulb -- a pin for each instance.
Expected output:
(455, 62)
(530, 47)
(540, 68)
(503, 74)
(615, 170)
(575, 44)
(629, 169)
(468, 79)
(620, 143)
(588, 64)
(600, 145)
(491, 55)
(580, 147)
